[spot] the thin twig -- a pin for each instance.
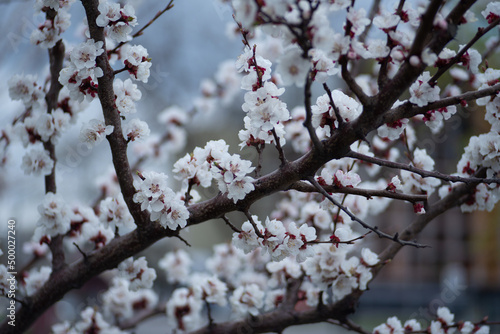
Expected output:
(340, 120)
(183, 240)
(250, 219)
(81, 251)
(368, 193)
(480, 33)
(308, 121)
(141, 31)
(352, 84)
(425, 27)
(421, 172)
(281, 153)
(348, 324)
(375, 229)
(234, 228)
(259, 148)
(332, 241)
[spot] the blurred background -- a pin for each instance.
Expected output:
(461, 269)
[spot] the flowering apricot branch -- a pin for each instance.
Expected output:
(374, 229)
(423, 173)
(368, 193)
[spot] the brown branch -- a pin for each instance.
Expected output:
(375, 8)
(277, 320)
(250, 219)
(407, 74)
(352, 84)
(347, 242)
(116, 141)
(292, 293)
(368, 193)
(277, 144)
(425, 28)
(421, 172)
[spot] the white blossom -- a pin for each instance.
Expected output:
(422, 92)
(25, 88)
(177, 266)
(247, 299)
(293, 67)
(210, 288)
(184, 309)
(36, 279)
(136, 130)
(137, 272)
(38, 162)
(108, 12)
(55, 215)
(95, 131)
(84, 55)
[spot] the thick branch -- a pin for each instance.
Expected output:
(407, 74)
(277, 320)
(425, 28)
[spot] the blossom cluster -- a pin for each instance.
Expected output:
(80, 75)
(137, 272)
(279, 241)
(55, 216)
(414, 183)
(49, 32)
(118, 21)
(483, 151)
(165, 205)
(331, 268)
(308, 238)
(325, 116)
(444, 323)
(215, 162)
(91, 321)
(265, 111)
